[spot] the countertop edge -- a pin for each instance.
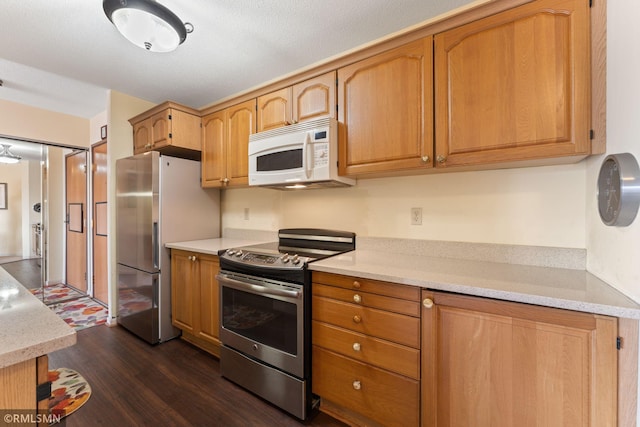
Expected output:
(479, 291)
(39, 349)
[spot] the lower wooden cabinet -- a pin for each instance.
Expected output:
(195, 298)
(366, 350)
(497, 363)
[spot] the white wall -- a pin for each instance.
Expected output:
(613, 252)
(541, 206)
(11, 218)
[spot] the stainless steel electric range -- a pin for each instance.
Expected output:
(265, 306)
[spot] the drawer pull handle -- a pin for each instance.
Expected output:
(356, 284)
(357, 319)
(427, 303)
(356, 346)
(357, 298)
(357, 385)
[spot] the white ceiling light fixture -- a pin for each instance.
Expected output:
(6, 156)
(147, 24)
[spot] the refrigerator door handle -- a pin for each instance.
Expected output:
(154, 244)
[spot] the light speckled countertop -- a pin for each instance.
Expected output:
(212, 246)
(552, 277)
(568, 288)
(28, 328)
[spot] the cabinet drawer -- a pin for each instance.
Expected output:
(367, 285)
(378, 323)
(389, 399)
(383, 354)
(366, 299)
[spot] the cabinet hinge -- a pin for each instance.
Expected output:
(618, 343)
(592, 134)
(169, 116)
(43, 391)
(170, 135)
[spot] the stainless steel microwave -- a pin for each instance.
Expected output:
(303, 155)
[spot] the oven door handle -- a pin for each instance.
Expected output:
(237, 284)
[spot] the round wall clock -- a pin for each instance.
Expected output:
(619, 189)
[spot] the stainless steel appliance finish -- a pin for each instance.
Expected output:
(158, 200)
(265, 301)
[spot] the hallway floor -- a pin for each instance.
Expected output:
(25, 271)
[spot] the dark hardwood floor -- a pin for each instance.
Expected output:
(170, 384)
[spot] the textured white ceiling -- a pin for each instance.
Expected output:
(63, 55)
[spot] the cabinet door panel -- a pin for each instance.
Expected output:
(385, 111)
(274, 110)
(240, 124)
(160, 129)
(141, 136)
(498, 363)
(514, 86)
(315, 98)
(213, 149)
(209, 299)
(184, 287)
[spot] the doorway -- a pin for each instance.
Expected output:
(99, 200)
(76, 220)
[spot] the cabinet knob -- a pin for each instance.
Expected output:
(357, 319)
(441, 159)
(147, 146)
(357, 298)
(356, 346)
(356, 284)
(425, 159)
(427, 303)
(224, 180)
(193, 258)
(357, 385)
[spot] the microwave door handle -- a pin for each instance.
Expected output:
(308, 166)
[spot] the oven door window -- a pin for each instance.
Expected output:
(269, 321)
(278, 161)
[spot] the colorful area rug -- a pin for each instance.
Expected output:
(81, 313)
(69, 391)
(56, 293)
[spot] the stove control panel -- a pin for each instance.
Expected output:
(266, 260)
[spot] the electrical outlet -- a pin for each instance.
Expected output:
(246, 214)
(416, 216)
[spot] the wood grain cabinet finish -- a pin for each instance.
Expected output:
(385, 111)
(170, 128)
(311, 99)
(195, 298)
(366, 349)
(498, 363)
(515, 86)
(225, 145)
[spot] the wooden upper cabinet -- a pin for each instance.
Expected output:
(515, 86)
(499, 363)
(225, 145)
(310, 99)
(274, 110)
(241, 122)
(385, 111)
(315, 98)
(171, 128)
(214, 162)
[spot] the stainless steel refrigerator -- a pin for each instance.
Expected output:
(158, 200)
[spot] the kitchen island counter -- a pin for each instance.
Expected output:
(28, 328)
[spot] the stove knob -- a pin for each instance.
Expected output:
(239, 253)
(286, 258)
(230, 252)
(296, 261)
